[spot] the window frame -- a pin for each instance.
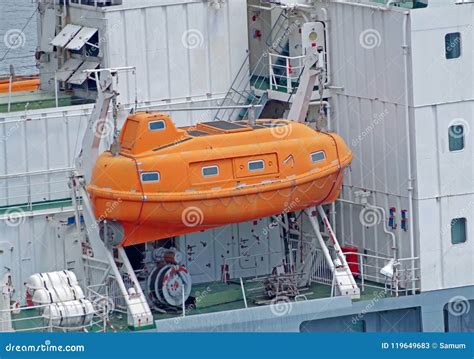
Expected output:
(208, 167)
(465, 235)
(448, 43)
(317, 152)
(148, 173)
(159, 129)
(450, 137)
(257, 169)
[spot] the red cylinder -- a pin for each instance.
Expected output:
(352, 259)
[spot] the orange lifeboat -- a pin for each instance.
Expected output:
(21, 83)
(168, 181)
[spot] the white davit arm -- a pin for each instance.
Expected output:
(313, 64)
(98, 120)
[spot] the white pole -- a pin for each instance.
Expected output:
(10, 92)
(56, 90)
(243, 292)
(184, 302)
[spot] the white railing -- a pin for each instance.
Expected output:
(29, 193)
(285, 71)
(32, 319)
(405, 278)
(109, 292)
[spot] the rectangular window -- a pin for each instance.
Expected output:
(456, 138)
(458, 230)
(256, 165)
(156, 125)
(318, 156)
(210, 171)
(452, 43)
(150, 177)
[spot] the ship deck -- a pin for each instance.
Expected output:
(220, 297)
(34, 100)
(210, 298)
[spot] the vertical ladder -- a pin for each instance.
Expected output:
(342, 275)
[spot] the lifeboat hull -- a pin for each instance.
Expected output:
(160, 220)
(20, 84)
(294, 183)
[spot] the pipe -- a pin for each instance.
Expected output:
(368, 6)
(384, 218)
(385, 229)
(407, 129)
(328, 58)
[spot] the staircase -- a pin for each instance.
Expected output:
(249, 87)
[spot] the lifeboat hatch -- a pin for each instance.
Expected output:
(196, 133)
(222, 127)
(148, 131)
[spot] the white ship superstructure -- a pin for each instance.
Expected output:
(394, 80)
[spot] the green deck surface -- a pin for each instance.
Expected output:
(220, 297)
(33, 100)
(36, 206)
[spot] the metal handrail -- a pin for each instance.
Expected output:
(100, 315)
(323, 274)
(291, 74)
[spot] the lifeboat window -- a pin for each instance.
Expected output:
(256, 165)
(157, 125)
(150, 177)
(318, 156)
(210, 171)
